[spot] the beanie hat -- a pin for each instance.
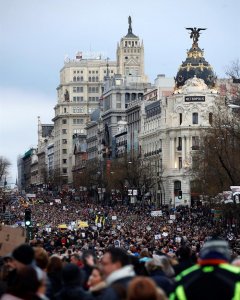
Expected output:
(214, 248)
(71, 274)
(24, 254)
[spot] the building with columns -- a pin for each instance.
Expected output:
(172, 126)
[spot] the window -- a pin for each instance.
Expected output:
(77, 99)
(180, 118)
(195, 118)
(77, 121)
(64, 170)
(77, 109)
(64, 131)
(77, 89)
(64, 110)
(64, 161)
(64, 121)
(179, 144)
(64, 151)
(180, 163)
(195, 143)
(64, 141)
(74, 78)
(210, 118)
(93, 89)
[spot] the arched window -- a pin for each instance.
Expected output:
(93, 79)
(90, 79)
(74, 78)
(78, 78)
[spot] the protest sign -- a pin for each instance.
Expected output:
(10, 238)
(114, 217)
(156, 213)
(172, 217)
(157, 236)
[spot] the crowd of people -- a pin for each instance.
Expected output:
(121, 252)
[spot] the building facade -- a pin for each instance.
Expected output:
(123, 88)
(172, 127)
(79, 91)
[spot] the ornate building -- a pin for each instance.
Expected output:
(124, 88)
(171, 132)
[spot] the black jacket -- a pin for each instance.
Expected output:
(73, 293)
(117, 290)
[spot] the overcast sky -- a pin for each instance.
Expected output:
(36, 35)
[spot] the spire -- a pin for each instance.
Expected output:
(130, 25)
(39, 129)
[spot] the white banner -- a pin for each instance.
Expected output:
(156, 213)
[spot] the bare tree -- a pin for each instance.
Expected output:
(233, 70)
(4, 166)
(217, 164)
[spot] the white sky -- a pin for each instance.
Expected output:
(37, 34)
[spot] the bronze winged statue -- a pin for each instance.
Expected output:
(195, 33)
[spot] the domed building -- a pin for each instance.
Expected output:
(183, 117)
(195, 64)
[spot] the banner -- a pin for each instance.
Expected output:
(156, 213)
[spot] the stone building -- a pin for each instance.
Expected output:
(80, 88)
(172, 126)
(123, 88)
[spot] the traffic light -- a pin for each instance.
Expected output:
(27, 217)
(179, 194)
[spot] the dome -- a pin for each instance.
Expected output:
(195, 65)
(95, 115)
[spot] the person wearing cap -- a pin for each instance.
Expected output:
(211, 278)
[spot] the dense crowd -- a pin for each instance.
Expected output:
(121, 252)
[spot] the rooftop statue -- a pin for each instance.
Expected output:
(195, 33)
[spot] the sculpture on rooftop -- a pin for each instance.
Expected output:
(130, 25)
(195, 33)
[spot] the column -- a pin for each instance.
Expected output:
(172, 153)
